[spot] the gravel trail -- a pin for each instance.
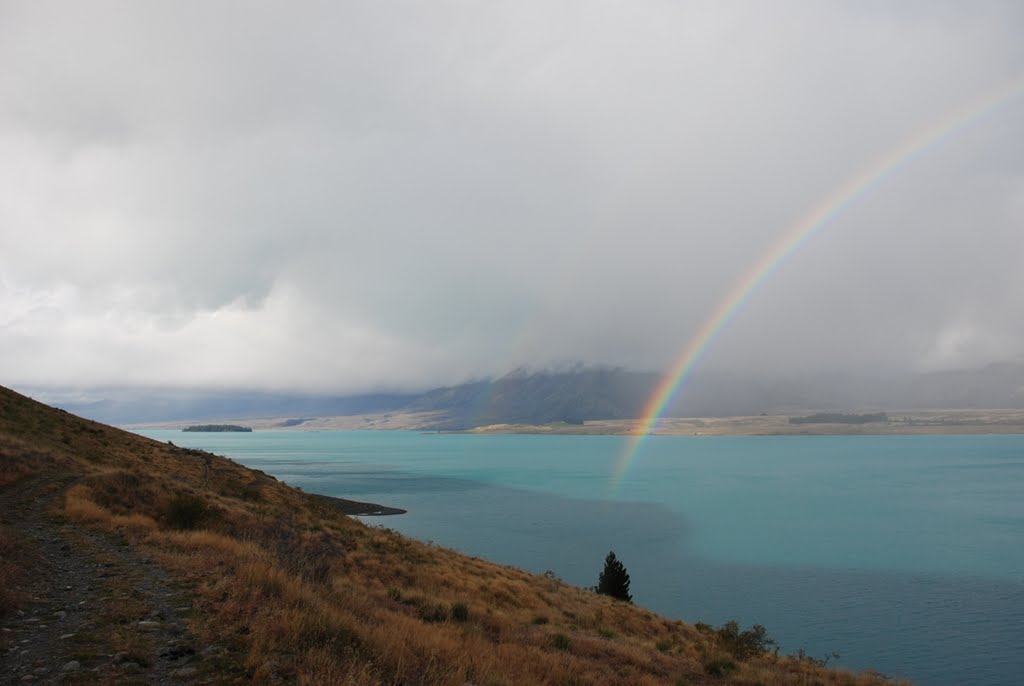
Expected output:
(95, 610)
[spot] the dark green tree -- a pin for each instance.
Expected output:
(614, 579)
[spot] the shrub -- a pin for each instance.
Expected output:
(186, 511)
(460, 612)
(433, 613)
(802, 656)
(311, 556)
(744, 644)
(560, 641)
(720, 665)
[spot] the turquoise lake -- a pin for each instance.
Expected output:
(903, 554)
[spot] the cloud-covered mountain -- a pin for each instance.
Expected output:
(570, 395)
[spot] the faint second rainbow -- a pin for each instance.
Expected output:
(819, 217)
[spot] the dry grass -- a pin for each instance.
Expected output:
(79, 507)
(305, 594)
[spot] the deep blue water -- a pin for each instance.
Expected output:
(902, 553)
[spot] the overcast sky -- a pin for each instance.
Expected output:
(390, 195)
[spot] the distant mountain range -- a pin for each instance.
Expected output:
(570, 395)
(523, 397)
(149, 405)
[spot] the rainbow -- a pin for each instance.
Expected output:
(819, 217)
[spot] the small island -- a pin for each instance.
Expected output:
(217, 428)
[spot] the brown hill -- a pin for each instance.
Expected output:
(126, 560)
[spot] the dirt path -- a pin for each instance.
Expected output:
(95, 610)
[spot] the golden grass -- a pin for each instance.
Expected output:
(303, 593)
(79, 507)
(135, 522)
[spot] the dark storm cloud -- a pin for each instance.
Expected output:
(362, 195)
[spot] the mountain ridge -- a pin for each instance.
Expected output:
(571, 395)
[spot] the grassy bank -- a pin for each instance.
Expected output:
(287, 588)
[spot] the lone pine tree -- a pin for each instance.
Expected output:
(614, 579)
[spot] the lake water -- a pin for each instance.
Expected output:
(903, 554)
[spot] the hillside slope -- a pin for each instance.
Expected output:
(125, 560)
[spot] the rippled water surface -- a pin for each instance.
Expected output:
(901, 553)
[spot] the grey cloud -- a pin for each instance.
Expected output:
(350, 196)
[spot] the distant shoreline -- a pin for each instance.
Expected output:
(900, 424)
(908, 423)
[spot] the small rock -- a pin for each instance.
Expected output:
(28, 677)
(148, 624)
(72, 666)
(185, 672)
(65, 637)
(41, 671)
(120, 657)
(60, 614)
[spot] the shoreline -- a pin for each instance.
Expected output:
(900, 422)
